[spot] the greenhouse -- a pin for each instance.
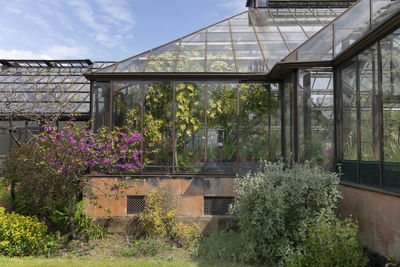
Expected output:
(291, 81)
(285, 81)
(34, 91)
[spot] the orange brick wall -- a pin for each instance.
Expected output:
(189, 191)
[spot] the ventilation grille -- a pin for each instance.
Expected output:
(217, 205)
(135, 204)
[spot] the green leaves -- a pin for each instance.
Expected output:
(274, 204)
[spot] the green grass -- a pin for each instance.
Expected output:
(78, 262)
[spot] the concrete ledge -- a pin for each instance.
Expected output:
(129, 224)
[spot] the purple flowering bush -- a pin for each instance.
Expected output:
(68, 154)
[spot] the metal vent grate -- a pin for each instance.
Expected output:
(135, 204)
(217, 205)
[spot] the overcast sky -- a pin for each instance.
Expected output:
(101, 29)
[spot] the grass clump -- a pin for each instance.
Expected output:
(145, 247)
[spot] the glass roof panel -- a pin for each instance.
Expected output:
(246, 46)
(191, 56)
(38, 91)
(135, 64)
(346, 30)
(252, 41)
(319, 48)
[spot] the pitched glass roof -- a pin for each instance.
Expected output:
(38, 88)
(346, 29)
(250, 42)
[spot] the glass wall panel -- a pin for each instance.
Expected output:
(315, 117)
(287, 91)
(349, 98)
(4, 138)
(127, 98)
(221, 128)
(367, 64)
(158, 123)
(390, 48)
(259, 133)
(189, 125)
(101, 104)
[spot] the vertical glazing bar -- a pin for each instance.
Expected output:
(91, 102)
(392, 82)
(380, 107)
(333, 40)
(237, 128)
(205, 52)
(358, 96)
(174, 155)
(205, 126)
(233, 46)
(375, 103)
(110, 106)
(335, 114)
(283, 134)
(295, 116)
(141, 122)
(269, 121)
(307, 111)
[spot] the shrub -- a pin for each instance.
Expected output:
(159, 218)
(38, 190)
(226, 245)
(21, 235)
(83, 224)
(275, 204)
(330, 242)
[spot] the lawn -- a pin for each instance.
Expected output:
(78, 262)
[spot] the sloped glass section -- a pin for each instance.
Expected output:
(42, 88)
(345, 29)
(250, 42)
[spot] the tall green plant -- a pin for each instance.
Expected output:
(274, 204)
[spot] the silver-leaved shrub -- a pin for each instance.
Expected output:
(275, 205)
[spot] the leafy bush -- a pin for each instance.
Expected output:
(83, 224)
(21, 235)
(38, 190)
(275, 204)
(159, 218)
(226, 245)
(330, 242)
(145, 247)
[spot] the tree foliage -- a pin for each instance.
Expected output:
(61, 159)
